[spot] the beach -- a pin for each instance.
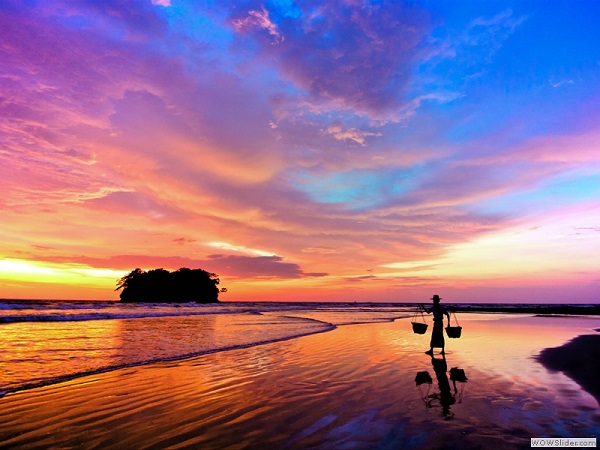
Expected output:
(348, 387)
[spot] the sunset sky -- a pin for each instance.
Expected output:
(343, 150)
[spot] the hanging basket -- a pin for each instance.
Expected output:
(459, 375)
(453, 332)
(422, 378)
(419, 327)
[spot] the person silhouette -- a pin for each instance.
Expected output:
(437, 334)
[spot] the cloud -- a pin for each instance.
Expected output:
(557, 84)
(261, 20)
(342, 135)
(227, 266)
(137, 204)
(239, 248)
(136, 19)
(541, 157)
(360, 278)
(460, 56)
(491, 32)
(360, 55)
(50, 121)
(220, 138)
(350, 134)
(321, 250)
(259, 267)
(184, 241)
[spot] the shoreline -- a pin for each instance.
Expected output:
(526, 308)
(579, 359)
(542, 310)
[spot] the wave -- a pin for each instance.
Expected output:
(68, 311)
(73, 376)
(94, 316)
(16, 311)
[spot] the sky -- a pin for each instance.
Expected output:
(313, 150)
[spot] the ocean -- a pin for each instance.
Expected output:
(45, 342)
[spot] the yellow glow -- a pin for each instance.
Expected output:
(239, 248)
(39, 272)
(98, 273)
(549, 250)
(14, 266)
(410, 264)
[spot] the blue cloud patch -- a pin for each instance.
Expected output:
(355, 189)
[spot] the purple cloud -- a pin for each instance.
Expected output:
(360, 56)
(259, 266)
(135, 19)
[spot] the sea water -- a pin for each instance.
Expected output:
(43, 342)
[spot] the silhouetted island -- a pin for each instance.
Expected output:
(160, 285)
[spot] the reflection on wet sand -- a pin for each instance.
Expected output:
(352, 387)
(445, 397)
(38, 352)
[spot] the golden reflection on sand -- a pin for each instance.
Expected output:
(66, 347)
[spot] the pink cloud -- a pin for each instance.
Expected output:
(137, 204)
(261, 20)
(227, 266)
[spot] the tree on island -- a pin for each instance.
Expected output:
(160, 285)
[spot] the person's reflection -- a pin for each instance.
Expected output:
(440, 367)
(445, 398)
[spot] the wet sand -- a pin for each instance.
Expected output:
(579, 359)
(353, 387)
